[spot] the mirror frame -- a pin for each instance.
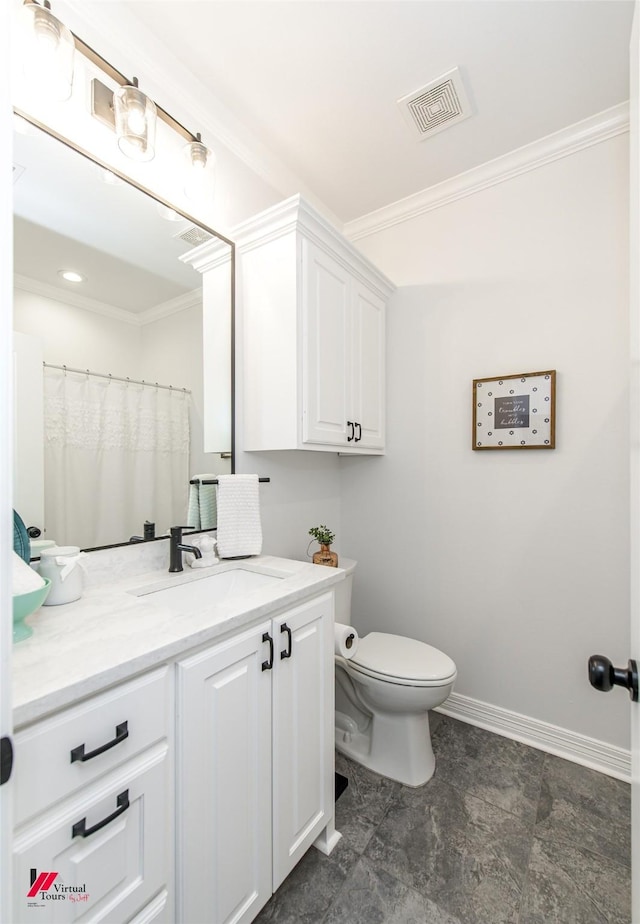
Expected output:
(126, 179)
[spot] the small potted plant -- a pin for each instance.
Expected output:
(324, 536)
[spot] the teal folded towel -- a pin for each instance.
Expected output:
(202, 511)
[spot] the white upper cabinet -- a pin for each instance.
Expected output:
(313, 335)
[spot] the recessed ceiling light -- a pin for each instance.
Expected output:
(72, 276)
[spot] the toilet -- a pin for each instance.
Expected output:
(383, 697)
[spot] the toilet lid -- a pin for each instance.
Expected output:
(405, 659)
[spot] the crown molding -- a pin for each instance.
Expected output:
(172, 306)
(208, 256)
(296, 214)
(77, 301)
(570, 140)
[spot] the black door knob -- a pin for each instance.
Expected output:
(604, 676)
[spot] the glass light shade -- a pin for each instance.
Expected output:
(48, 51)
(110, 178)
(135, 116)
(169, 214)
(200, 164)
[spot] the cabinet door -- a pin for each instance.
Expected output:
(224, 781)
(368, 366)
(325, 335)
(303, 747)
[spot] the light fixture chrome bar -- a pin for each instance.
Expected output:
(88, 52)
(115, 378)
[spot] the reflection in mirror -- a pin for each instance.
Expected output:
(100, 452)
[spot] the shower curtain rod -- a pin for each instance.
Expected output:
(116, 378)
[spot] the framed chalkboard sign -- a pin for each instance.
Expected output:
(515, 411)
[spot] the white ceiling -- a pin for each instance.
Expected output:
(305, 92)
(317, 82)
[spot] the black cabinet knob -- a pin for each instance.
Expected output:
(603, 676)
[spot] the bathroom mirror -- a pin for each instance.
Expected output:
(136, 317)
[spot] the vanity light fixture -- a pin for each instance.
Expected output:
(48, 51)
(72, 276)
(135, 122)
(169, 214)
(200, 170)
(127, 110)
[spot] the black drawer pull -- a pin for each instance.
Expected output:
(78, 753)
(351, 426)
(359, 436)
(267, 665)
(287, 653)
(80, 827)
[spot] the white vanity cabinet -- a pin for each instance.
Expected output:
(93, 809)
(254, 761)
(313, 335)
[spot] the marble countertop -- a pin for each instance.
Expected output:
(111, 634)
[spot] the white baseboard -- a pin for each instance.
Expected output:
(597, 755)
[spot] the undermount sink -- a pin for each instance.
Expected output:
(210, 590)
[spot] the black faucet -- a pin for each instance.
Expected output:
(149, 533)
(177, 547)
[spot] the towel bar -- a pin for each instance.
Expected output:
(215, 480)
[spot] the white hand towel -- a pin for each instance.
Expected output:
(202, 511)
(239, 526)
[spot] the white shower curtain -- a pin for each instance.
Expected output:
(116, 454)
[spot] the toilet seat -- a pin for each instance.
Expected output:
(403, 661)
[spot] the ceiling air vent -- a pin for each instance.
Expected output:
(439, 104)
(193, 235)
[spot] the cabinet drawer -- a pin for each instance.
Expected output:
(118, 866)
(94, 730)
(158, 911)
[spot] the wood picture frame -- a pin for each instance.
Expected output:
(515, 411)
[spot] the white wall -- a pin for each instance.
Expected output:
(304, 491)
(72, 336)
(514, 563)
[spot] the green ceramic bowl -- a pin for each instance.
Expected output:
(24, 605)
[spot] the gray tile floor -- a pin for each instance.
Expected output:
(502, 833)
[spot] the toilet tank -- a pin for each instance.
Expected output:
(343, 592)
